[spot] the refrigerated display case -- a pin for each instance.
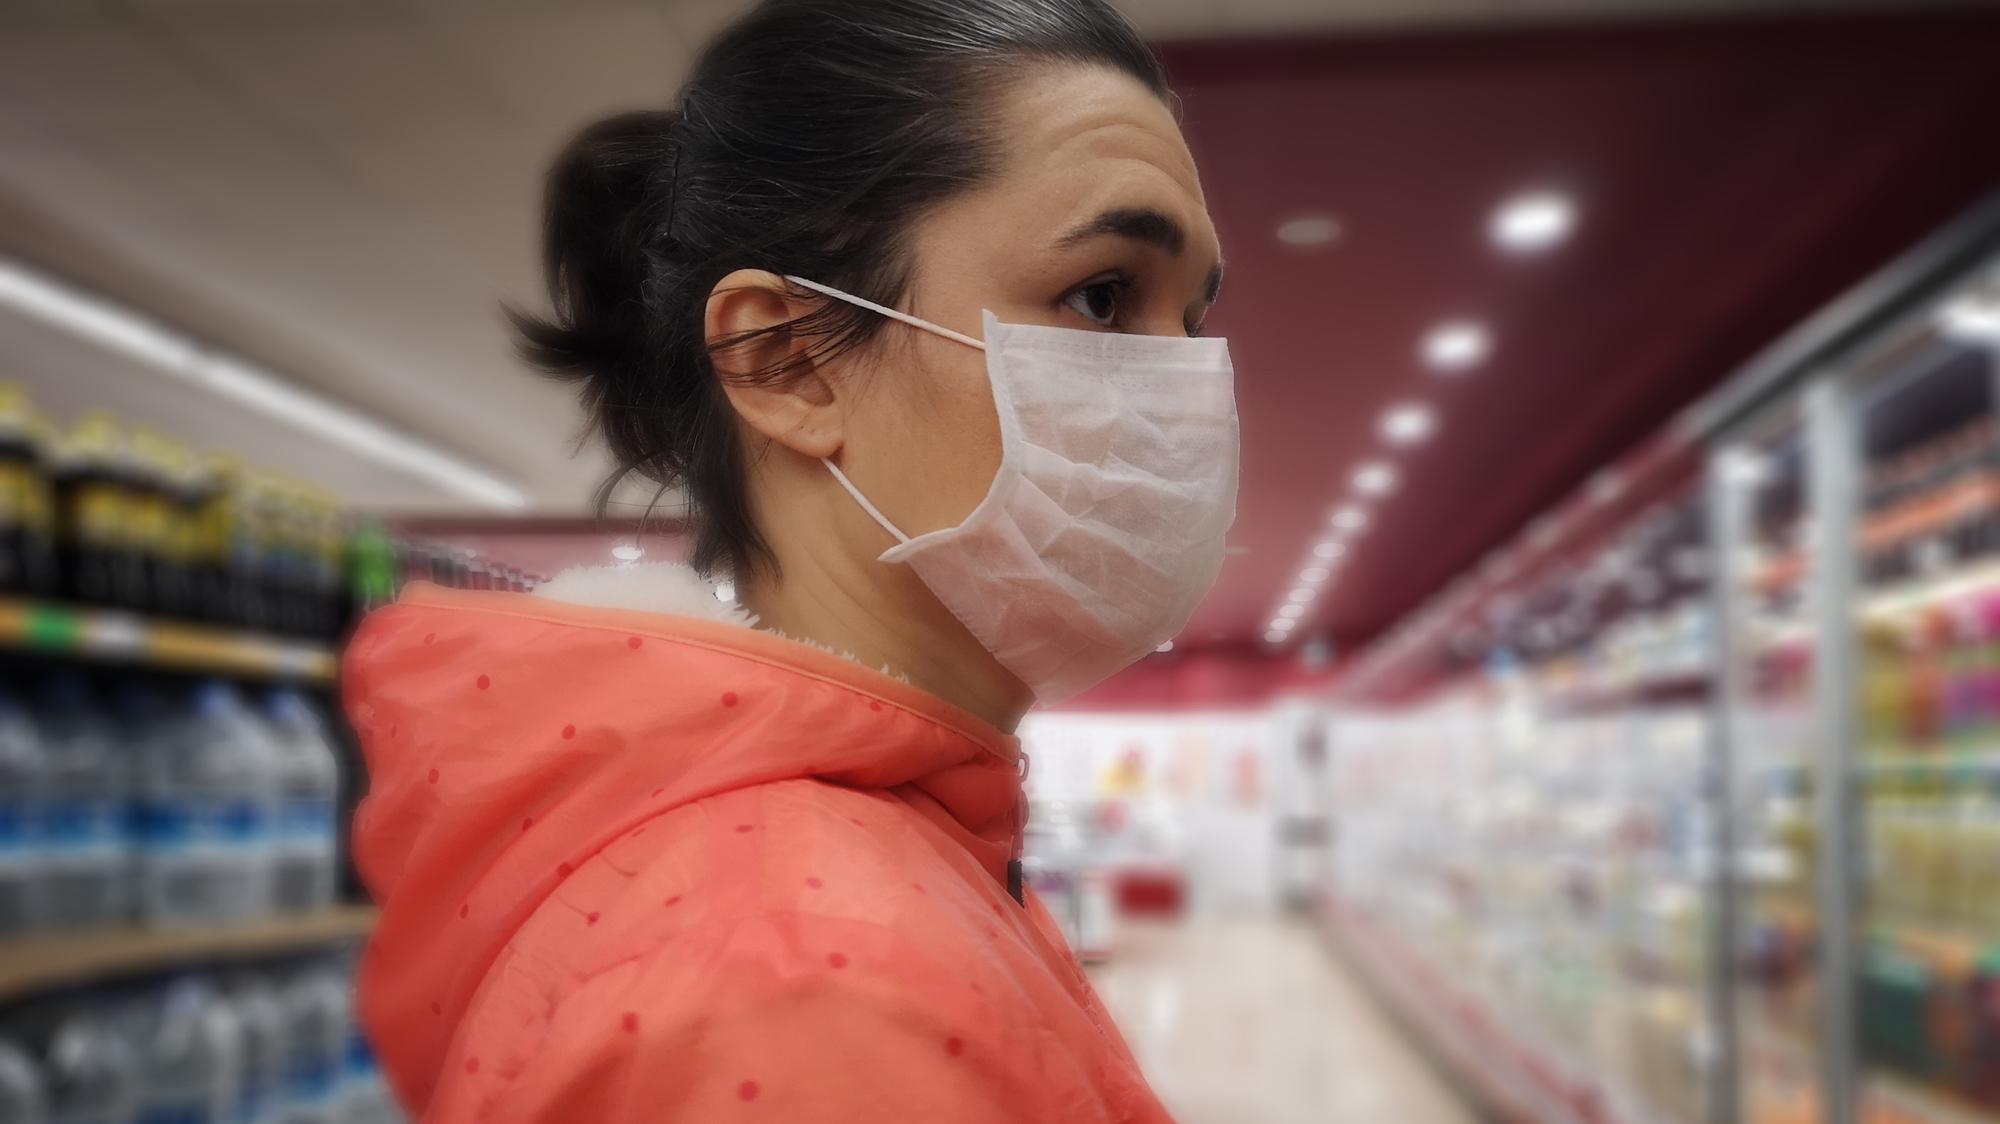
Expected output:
(1686, 805)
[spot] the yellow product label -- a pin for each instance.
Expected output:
(38, 504)
(101, 515)
(13, 494)
(149, 522)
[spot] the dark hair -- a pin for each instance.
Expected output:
(811, 136)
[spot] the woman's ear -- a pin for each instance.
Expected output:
(744, 326)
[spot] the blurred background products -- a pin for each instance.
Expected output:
(1597, 719)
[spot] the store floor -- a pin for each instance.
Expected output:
(1255, 1021)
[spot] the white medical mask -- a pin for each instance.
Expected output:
(1104, 525)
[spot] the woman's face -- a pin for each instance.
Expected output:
(1095, 221)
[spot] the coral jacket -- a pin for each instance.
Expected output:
(644, 867)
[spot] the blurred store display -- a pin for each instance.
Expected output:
(1691, 813)
(174, 779)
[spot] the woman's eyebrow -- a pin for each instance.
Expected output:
(1141, 224)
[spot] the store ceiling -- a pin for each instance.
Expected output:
(346, 194)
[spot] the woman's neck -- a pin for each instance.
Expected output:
(880, 614)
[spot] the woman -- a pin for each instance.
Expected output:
(646, 855)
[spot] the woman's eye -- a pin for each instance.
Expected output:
(1097, 302)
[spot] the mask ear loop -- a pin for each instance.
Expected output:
(874, 512)
(885, 310)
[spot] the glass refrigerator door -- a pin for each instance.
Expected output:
(1759, 501)
(1927, 624)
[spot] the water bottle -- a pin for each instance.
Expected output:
(260, 1099)
(21, 781)
(23, 1099)
(365, 1096)
(91, 1073)
(308, 780)
(207, 792)
(190, 1054)
(84, 841)
(317, 1012)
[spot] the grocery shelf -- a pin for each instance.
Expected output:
(57, 959)
(44, 626)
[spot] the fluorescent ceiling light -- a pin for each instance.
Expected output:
(1457, 346)
(119, 330)
(1376, 478)
(1275, 636)
(1350, 518)
(1284, 624)
(1303, 594)
(1314, 575)
(1309, 230)
(1408, 424)
(1533, 222)
(1292, 612)
(1973, 318)
(1329, 550)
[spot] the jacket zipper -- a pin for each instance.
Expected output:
(1016, 876)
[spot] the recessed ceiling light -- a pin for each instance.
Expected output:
(1292, 612)
(1302, 594)
(1457, 345)
(1310, 230)
(1350, 518)
(1533, 222)
(1329, 550)
(1275, 636)
(1284, 624)
(1376, 478)
(1165, 647)
(1408, 423)
(627, 552)
(1315, 574)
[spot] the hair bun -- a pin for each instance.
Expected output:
(609, 194)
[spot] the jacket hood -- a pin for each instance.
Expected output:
(510, 737)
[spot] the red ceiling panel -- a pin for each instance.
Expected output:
(1731, 176)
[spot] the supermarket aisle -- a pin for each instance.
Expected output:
(1254, 1021)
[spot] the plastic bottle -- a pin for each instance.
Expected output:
(23, 1099)
(190, 1048)
(308, 781)
(317, 1010)
(364, 1092)
(91, 1072)
(260, 1099)
(27, 516)
(207, 794)
(22, 776)
(88, 785)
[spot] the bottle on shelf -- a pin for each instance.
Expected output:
(23, 1097)
(27, 508)
(317, 1009)
(260, 1098)
(308, 781)
(90, 1070)
(189, 1046)
(23, 774)
(87, 790)
(208, 785)
(92, 486)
